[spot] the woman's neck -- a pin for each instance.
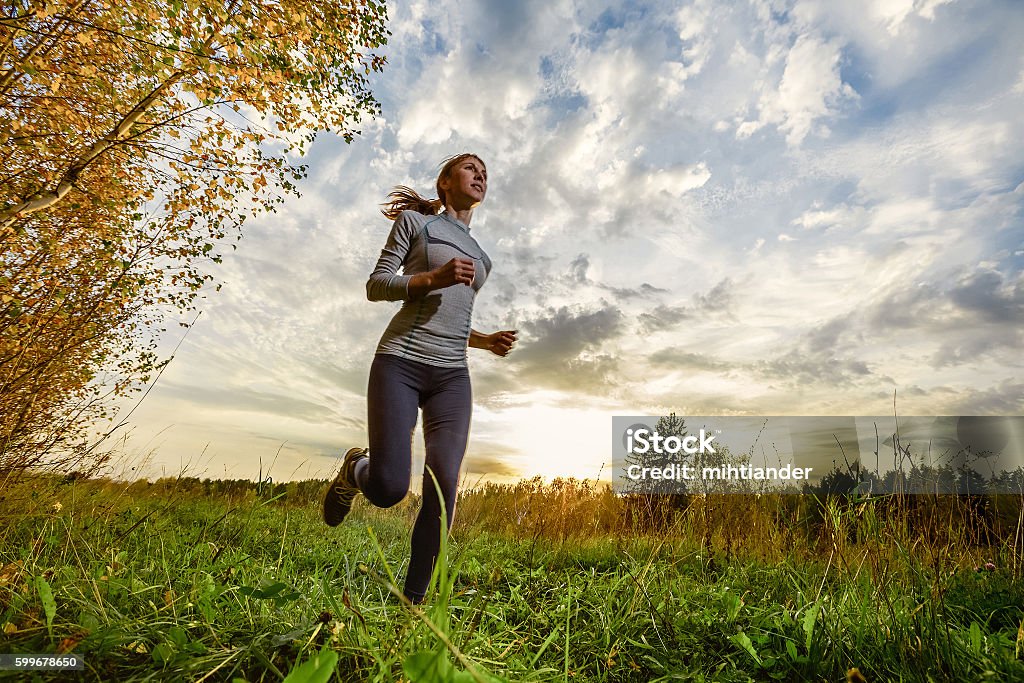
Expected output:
(463, 215)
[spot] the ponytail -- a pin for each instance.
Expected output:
(404, 198)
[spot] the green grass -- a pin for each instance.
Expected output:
(157, 583)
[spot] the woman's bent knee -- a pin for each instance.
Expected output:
(386, 497)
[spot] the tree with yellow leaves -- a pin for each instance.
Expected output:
(135, 136)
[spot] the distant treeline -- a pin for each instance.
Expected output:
(919, 479)
(295, 492)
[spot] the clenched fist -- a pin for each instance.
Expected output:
(457, 271)
(500, 343)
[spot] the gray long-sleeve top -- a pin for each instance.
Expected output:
(434, 328)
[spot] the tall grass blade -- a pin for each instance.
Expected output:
(317, 669)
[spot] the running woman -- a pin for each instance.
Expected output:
(420, 362)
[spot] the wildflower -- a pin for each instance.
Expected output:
(57, 507)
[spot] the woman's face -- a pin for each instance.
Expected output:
(466, 184)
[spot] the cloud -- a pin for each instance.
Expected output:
(826, 338)
(893, 13)
(796, 369)
(487, 455)
(254, 401)
(578, 268)
(562, 348)
(985, 316)
(977, 315)
(716, 302)
(663, 317)
(986, 296)
(677, 181)
(840, 217)
(645, 290)
(718, 299)
(810, 89)
(1004, 398)
(494, 384)
(680, 359)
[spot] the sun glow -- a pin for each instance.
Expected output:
(554, 440)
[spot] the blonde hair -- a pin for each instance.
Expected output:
(404, 198)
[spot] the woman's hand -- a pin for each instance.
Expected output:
(500, 343)
(457, 271)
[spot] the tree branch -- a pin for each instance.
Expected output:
(114, 137)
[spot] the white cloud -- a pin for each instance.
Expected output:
(810, 90)
(839, 216)
(893, 13)
(679, 180)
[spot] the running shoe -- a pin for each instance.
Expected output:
(343, 490)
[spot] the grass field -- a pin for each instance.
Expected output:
(181, 580)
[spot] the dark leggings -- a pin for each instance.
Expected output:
(398, 388)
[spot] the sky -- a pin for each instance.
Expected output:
(759, 207)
